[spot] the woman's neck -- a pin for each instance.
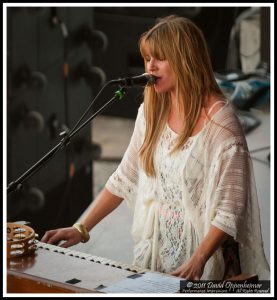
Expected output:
(175, 120)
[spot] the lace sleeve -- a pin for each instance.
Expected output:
(232, 194)
(123, 182)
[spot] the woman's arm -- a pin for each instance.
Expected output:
(121, 185)
(103, 205)
(194, 267)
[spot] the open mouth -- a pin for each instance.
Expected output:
(157, 79)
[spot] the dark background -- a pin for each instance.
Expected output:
(42, 100)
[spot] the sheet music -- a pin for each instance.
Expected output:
(148, 282)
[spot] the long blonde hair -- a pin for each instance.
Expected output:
(182, 44)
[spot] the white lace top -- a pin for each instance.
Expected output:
(210, 181)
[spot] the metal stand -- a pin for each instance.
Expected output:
(66, 137)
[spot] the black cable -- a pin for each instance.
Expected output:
(260, 160)
(89, 107)
(260, 149)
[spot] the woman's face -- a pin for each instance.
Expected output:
(166, 79)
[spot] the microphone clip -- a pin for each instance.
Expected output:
(65, 138)
(121, 92)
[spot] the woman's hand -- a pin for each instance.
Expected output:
(192, 269)
(70, 235)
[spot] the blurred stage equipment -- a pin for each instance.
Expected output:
(25, 77)
(31, 119)
(95, 39)
(93, 76)
(40, 56)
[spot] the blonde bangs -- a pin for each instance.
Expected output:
(152, 44)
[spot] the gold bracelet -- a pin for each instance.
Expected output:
(83, 231)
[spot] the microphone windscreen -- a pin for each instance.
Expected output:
(151, 79)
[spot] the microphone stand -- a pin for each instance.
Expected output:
(66, 137)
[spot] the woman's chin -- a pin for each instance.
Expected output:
(160, 90)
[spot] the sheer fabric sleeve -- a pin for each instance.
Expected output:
(123, 182)
(237, 209)
(233, 191)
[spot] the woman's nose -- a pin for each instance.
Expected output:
(152, 66)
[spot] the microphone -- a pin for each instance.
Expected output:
(141, 80)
